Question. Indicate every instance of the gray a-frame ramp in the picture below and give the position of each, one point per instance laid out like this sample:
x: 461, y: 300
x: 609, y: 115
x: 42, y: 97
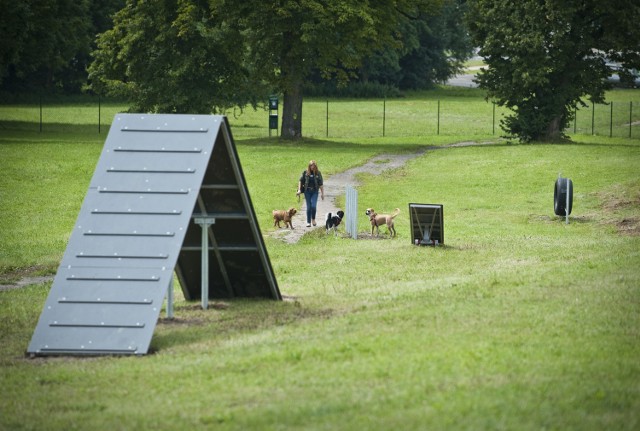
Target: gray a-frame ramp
x: 157, y: 178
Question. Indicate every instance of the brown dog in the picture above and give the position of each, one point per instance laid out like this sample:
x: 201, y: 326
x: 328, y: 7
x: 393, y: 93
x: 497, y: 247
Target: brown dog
x: 380, y: 219
x: 285, y: 216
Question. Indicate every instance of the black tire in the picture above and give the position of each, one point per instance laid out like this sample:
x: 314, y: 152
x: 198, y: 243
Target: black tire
x: 563, y: 185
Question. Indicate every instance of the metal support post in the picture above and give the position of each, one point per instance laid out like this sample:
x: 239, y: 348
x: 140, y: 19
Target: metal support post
x: 204, y: 223
x: 170, y: 299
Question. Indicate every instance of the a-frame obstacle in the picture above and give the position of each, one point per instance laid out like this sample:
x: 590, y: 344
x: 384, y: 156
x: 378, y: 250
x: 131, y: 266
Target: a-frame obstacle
x: 164, y: 186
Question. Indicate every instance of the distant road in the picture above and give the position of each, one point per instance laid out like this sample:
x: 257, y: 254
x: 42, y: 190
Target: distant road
x: 465, y: 80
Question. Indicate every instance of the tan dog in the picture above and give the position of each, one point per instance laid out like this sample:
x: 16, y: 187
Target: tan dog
x: 285, y: 216
x: 380, y: 219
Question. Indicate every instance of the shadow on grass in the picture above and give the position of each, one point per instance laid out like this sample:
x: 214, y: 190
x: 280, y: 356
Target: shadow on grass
x: 30, y: 127
x: 327, y: 144
x: 193, y: 326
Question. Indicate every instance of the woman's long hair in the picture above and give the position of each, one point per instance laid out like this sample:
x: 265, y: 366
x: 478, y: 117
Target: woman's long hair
x: 312, y: 166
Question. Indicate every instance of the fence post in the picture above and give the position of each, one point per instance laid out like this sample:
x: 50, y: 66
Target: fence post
x: 99, y: 106
x: 494, y: 118
x: 575, y: 119
x: 438, y: 129
x: 384, y: 115
x: 611, y: 121
x: 593, y: 117
x: 40, y: 113
x: 327, y: 118
x: 630, y: 116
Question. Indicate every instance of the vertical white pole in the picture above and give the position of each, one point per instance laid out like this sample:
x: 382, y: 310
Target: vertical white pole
x: 351, y: 224
x: 204, y: 223
x: 205, y: 266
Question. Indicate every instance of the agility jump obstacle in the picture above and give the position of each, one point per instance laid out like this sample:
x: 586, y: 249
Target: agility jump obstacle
x: 168, y: 194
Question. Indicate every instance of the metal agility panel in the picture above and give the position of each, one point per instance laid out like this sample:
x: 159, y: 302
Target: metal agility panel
x: 131, y: 231
x: 427, y: 224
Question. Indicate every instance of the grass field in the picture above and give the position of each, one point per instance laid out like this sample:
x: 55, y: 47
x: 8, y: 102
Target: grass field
x: 445, y: 111
x: 518, y: 322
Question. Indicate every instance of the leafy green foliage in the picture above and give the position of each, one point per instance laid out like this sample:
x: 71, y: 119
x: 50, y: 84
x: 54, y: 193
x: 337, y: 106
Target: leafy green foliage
x: 172, y: 56
x: 544, y: 57
x: 46, y: 44
x: 429, y: 47
x: 434, y: 46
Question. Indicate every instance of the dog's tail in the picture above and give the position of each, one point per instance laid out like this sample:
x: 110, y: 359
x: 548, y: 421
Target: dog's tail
x: 395, y: 213
x: 327, y: 217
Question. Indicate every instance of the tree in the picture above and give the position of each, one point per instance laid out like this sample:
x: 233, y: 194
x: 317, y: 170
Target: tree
x: 288, y: 39
x: 172, y: 56
x: 544, y: 57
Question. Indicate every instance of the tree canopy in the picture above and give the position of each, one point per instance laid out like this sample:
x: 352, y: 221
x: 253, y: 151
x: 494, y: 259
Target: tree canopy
x: 172, y: 56
x: 545, y: 57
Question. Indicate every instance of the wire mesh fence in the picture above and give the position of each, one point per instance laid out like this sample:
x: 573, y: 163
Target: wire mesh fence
x: 619, y: 119
x: 334, y: 118
x: 90, y: 115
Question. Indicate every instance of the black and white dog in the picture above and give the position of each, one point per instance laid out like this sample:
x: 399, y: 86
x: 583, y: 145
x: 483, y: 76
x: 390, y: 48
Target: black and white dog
x: 332, y: 221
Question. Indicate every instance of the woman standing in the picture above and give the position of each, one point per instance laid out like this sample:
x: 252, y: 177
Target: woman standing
x: 310, y: 183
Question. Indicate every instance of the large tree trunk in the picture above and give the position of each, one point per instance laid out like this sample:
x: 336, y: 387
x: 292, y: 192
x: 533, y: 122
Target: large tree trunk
x: 292, y: 112
x: 553, y: 132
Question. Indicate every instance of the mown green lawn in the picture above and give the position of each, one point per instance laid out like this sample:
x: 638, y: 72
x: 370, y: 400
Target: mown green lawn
x: 520, y: 321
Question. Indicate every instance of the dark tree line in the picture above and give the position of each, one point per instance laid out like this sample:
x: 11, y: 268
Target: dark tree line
x: 432, y: 47
x: 47, y: 45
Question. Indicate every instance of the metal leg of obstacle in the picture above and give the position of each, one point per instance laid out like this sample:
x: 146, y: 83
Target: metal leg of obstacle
x: 204, y: 223
x: 170, y: 299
